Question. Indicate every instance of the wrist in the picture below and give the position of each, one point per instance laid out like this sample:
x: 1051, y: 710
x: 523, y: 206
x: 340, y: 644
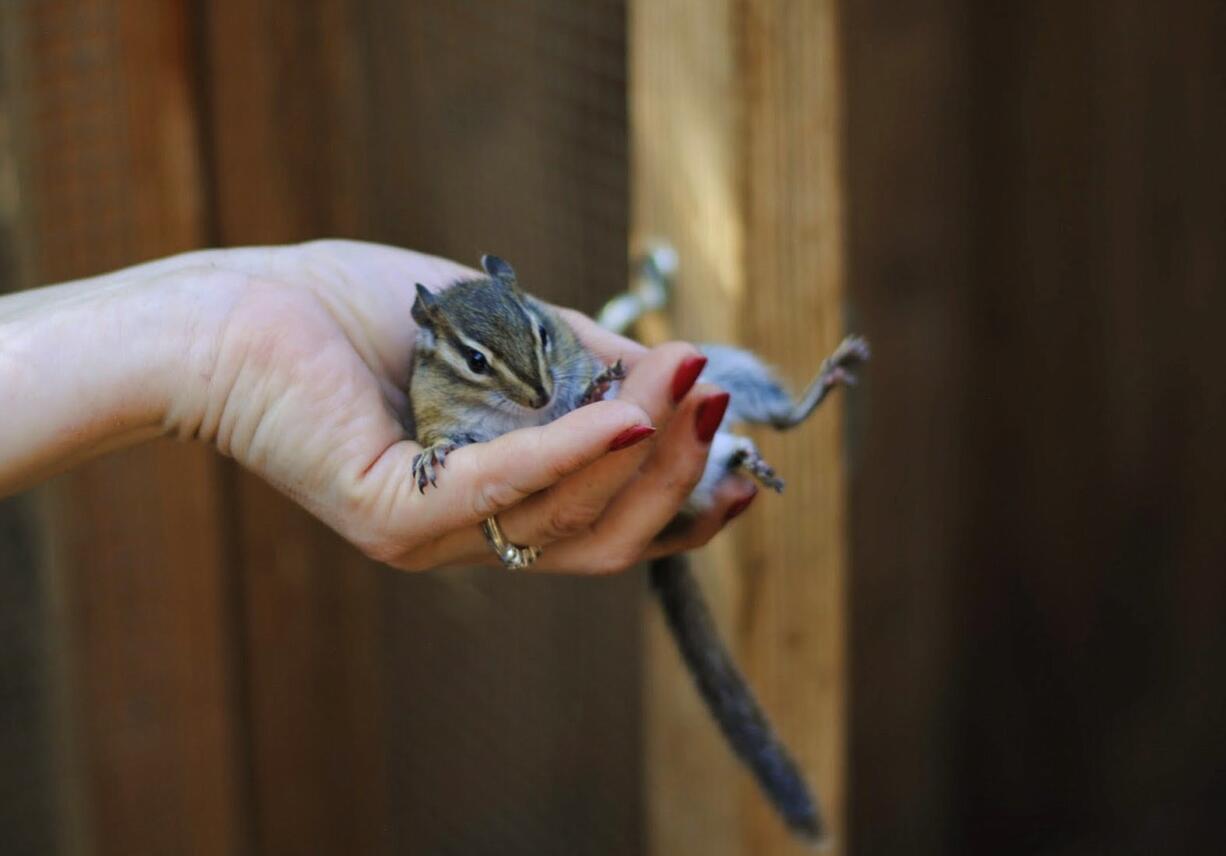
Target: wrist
x: 191, y: 306
x: 92, y: 366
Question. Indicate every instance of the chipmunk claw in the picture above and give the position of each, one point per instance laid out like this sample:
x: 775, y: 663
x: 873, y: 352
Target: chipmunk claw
x: 600, y: 384
x: 764, y: 473
x: 426, y: 460
x: 837, y: 369
x: 748, y: 459
x: 841, y: 377
x: 851, y: 351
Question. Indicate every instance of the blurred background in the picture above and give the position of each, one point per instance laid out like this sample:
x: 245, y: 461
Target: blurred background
x: 991, y: 619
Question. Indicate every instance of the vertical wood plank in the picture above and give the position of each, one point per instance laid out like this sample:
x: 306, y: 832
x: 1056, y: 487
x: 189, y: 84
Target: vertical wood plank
x: 430, y: 712
x: 909, y: 215
x: 515, y: 699
x: 1036, y: 211
x: 27, y: 744
x: 285, y: 103
x: 735, y: 141
x: 791, y: 616
x: 1098, y: 227
x: 686, y: 167
x: 135, y: 571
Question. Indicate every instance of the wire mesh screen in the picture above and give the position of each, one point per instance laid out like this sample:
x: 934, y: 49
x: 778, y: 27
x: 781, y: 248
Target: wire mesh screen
x: 515, y: 701
x: 503, y: 129
x: 515, y: 712
x: 238, y: 680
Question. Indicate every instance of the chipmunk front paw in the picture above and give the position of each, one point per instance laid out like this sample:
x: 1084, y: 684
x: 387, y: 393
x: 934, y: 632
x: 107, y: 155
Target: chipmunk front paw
x: 423, y: 465
x: 600, y: 384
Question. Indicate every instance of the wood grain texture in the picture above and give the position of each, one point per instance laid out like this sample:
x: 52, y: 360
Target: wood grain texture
x: 146, y: 752
x: 736, y: 162
x: 515, y: 699
x: 445, y: 712
x: 27, y: 748
x: 284, y: 105
x: 686, y: 171
x: 1100, y: 229
x: 508, y: 135
x: 1035, y: 221
x: 792, y: 614
x: 909, y: 211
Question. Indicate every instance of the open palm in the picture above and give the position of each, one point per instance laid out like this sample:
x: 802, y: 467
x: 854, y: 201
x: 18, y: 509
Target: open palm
x: 304, y: 378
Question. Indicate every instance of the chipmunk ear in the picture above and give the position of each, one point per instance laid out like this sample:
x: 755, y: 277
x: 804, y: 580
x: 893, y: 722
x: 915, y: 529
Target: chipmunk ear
x: 425, y: 307
x: 499, y: 269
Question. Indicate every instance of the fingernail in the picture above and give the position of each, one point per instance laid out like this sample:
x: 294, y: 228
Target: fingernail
x: 631, y: 436
x: 687, y: 373
x: 740, y: 505
x: 710, y: 414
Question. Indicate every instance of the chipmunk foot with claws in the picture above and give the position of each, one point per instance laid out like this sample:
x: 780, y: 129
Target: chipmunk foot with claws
x: 425, y: 461
x: 603, y: 382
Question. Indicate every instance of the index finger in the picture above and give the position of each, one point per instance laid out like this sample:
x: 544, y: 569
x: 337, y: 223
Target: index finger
x: 607, y: 345
x: 483, y: 479
x: 574, y: 503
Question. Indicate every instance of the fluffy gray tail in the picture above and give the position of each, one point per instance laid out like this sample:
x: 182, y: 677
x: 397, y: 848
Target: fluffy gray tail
x: 730, y: 699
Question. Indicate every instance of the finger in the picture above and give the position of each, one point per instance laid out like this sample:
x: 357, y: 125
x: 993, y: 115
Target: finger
x: 732, y: 498
x: 539, y: 521
x: 486, y: 478
x: 660, y: 380
x: 572, y: 505
x: 605, y: 344
x: 645, y: 508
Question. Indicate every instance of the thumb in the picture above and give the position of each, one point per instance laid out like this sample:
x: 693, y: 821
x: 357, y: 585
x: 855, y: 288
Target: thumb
x: 486, y: 478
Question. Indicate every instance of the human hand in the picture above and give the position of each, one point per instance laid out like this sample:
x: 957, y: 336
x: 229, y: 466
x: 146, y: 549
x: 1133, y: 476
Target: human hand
x: 301, y: 357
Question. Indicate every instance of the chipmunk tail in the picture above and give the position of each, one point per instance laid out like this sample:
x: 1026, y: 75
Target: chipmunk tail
x: 730, y: 699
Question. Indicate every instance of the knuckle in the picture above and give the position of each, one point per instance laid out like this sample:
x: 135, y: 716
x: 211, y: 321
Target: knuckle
x: 380, y: 550
x: 378, y: 543
x: 419, y: 557
x: 690, y: 475
x: 369, y: 532
x: 568, y: 519
x: 700, y: 537
x: 559, y: 463
x: 492, y: 497
x: 412, y: 561
x: 614, y: 561
x: 353, y: 500
x: 680, y: 483
x: 390, y: 546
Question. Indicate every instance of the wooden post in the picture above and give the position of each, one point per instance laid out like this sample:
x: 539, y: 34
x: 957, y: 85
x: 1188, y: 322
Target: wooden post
x: 284, y: 125
x: 455, y: 129
x: 146, y: 756
x: 735, y: 161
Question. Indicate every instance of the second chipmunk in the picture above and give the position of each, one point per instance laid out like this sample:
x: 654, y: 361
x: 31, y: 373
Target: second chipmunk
x: 490, y: 359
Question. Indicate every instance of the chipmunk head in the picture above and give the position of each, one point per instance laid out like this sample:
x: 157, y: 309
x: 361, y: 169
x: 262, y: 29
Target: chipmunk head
x: 489, y: 333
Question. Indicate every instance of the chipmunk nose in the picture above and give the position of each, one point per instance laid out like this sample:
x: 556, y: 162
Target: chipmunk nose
x: 541, y: 398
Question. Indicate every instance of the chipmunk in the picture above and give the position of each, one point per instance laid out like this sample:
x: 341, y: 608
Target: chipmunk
x: 490, y: 359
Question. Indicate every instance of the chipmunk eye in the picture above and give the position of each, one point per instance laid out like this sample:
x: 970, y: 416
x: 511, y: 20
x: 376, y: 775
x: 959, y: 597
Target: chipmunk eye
x: 544, y: 336
x: 476, y: 361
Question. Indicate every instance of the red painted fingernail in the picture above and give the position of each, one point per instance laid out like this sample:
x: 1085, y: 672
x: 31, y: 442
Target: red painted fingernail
x: 631, y: 436
x: 710, y: 414
x: 687, y: 373
x: 740, y: 505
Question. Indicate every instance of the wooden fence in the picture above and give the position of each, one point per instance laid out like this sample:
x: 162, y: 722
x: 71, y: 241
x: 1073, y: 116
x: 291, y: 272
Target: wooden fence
x: 227, y: 675
x: 1007, y: 640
